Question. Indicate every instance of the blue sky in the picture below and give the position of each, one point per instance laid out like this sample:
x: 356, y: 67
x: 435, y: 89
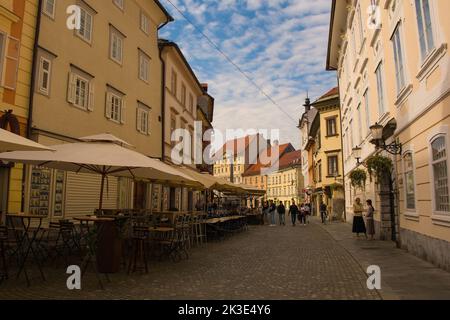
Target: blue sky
x: 281, y: 44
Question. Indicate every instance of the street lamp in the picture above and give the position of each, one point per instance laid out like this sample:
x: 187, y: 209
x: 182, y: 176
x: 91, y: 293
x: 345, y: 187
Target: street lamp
x: 379, y: 142
x: 357, y: 154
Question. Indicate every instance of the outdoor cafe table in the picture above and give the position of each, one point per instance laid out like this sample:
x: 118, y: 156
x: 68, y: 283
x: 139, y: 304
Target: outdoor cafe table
x: 102, y: 245
x: 25, y: 242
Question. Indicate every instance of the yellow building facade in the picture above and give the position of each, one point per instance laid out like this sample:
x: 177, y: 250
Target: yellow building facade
x: 104, y: 77
x: 392, y: 63
x: 17, y: 37
x: 324, y: 146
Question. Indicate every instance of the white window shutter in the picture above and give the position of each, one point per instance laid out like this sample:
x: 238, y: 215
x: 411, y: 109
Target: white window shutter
x: 91, y: 97
x: 138, y: 120
x: 123, y: 111
x: 108, y: 105
x: 71, y: 88
x: 148, y: 123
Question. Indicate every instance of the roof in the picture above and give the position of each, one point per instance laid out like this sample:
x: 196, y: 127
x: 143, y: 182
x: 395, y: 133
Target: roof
x: 163, y: 43
x: 163, y: 9
x: 255, y: 169
x: 240, y: 145
x: 333, y: 93
x: 290, y: 159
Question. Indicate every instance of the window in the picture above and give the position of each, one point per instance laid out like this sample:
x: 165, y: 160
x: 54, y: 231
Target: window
x: 142, y: 119
x: 399, y: 59
x: 425, y: 27
x: 145, y: 23
x: 320, y: 172
x: 10, y: 50
x: 119, y: 3
x: 440, y: 174
x: 367, y: 106
x: 174, y: 83
x: 81, y: 91
x: 350, y: 136
x: 191, y: 103
x: 333, y: 166
x: 173, y: 127
x: 360, y: 25
x: 408, y: 166
x: 380, y: 87
x: 358, y: 111
x: 2, y: 52
x: 86, y: 19
x: 49, y: 8
x: 115, y: 106
x: 183, y: 95
x: 144, y: 67
x: 116, y: 46
x: 44, y: 76
x: 331, y: 127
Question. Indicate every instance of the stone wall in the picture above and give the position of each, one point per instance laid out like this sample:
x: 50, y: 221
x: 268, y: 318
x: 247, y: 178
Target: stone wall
x: 430, y: 249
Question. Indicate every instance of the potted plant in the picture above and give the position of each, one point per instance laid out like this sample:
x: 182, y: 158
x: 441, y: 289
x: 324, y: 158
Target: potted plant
x: 358, y: 178
x: 379, y: 167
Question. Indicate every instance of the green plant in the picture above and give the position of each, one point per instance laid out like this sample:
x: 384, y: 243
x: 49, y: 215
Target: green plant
x: 379, y: 166
x: 358, y: 178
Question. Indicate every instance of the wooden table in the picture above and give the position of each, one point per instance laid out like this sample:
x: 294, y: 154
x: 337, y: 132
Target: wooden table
x: 161, y: 229
x: 25, y: 243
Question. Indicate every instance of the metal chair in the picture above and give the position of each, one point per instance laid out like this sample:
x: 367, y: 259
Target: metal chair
x: 3, y: 265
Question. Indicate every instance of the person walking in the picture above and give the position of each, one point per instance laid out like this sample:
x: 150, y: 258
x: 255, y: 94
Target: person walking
x: 323, y: 212
x: 302, y: 215
x: 265, y: 212
x: 370, y: 219
x: 293, y: 212
x: 282, y: 214
x: 272, y: 211
x: 358, y: 221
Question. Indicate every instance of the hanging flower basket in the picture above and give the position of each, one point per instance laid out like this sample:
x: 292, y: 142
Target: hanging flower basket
x: 358, y: 178
x: 379, y: 167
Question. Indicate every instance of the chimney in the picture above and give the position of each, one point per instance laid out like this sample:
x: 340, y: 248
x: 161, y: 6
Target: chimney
x: 205, y: 87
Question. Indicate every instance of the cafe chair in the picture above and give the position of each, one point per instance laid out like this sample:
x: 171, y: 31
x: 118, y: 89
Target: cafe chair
x: 3, y: 265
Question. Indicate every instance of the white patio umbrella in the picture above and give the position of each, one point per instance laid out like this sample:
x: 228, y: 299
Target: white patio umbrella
x: 13, y: 142
x: 103, y: 156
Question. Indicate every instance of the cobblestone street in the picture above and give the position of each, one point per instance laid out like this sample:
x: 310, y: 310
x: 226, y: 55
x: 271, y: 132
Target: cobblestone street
x: 263, y: 263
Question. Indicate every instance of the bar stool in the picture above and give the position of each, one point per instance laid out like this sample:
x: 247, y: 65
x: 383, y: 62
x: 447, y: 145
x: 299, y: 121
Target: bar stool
x: 139, y: 250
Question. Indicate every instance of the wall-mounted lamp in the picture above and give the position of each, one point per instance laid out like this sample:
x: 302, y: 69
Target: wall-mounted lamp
x: 379, y: 142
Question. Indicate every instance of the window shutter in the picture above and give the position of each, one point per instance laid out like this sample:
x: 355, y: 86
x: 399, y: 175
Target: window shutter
x: 148, y: 123
x: 108, y: 105
x: 122, y: 111
x: 71, y: 88
x: 91, y: 97
x: 11, y: 63
x: 138, y: 120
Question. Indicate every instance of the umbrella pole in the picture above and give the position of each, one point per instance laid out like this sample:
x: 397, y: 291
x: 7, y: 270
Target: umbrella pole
x: 100, y: 205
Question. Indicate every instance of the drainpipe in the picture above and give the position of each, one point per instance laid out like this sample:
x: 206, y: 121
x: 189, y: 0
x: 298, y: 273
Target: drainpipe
x: 31, y: 93
x: 34, y: 69
x: 163, y: 104
x: 342, y: 155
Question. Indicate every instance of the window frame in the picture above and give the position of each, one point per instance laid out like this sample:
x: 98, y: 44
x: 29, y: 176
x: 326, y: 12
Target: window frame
x: 425, y: 55
x: 91, y: 29
x: 119, y: 4
x: 41, y: 90
x: 145, y: 27
x: 334, y: 120
x: 116, y: 34
x: 87, y: 81
x: 143, y: 57
x: 437, y: 135
x: 143, y: 110
x: 335, y: 156
x: 49, y: 14
x: 413, y: 172
x: 381, y: 92
x: 399, y: 59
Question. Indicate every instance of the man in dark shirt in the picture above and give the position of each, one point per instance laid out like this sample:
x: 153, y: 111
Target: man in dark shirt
x: 293, y: 212
x: 323, y: 212
x: 282, y: 213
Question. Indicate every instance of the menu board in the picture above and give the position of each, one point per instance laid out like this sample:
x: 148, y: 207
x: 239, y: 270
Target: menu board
x: 156, y: 196
x: 40, y: 191
x: 59, y: 193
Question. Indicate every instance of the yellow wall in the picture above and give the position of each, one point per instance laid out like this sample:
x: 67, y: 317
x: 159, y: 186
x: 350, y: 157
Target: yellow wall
x: 18, y: 20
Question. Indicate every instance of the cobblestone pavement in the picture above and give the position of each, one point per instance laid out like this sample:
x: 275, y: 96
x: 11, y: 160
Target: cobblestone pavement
x: 279, y: 263
x: 403, y: 275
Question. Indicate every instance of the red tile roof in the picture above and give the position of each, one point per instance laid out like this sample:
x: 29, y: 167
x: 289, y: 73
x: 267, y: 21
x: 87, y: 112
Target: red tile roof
x: 238, y: 146
x: 255, y: 169
x: 332, y: 92
x: 290, y: 159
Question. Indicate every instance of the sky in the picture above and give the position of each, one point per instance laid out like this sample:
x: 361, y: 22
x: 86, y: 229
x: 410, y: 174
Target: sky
x: 279, y: 44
